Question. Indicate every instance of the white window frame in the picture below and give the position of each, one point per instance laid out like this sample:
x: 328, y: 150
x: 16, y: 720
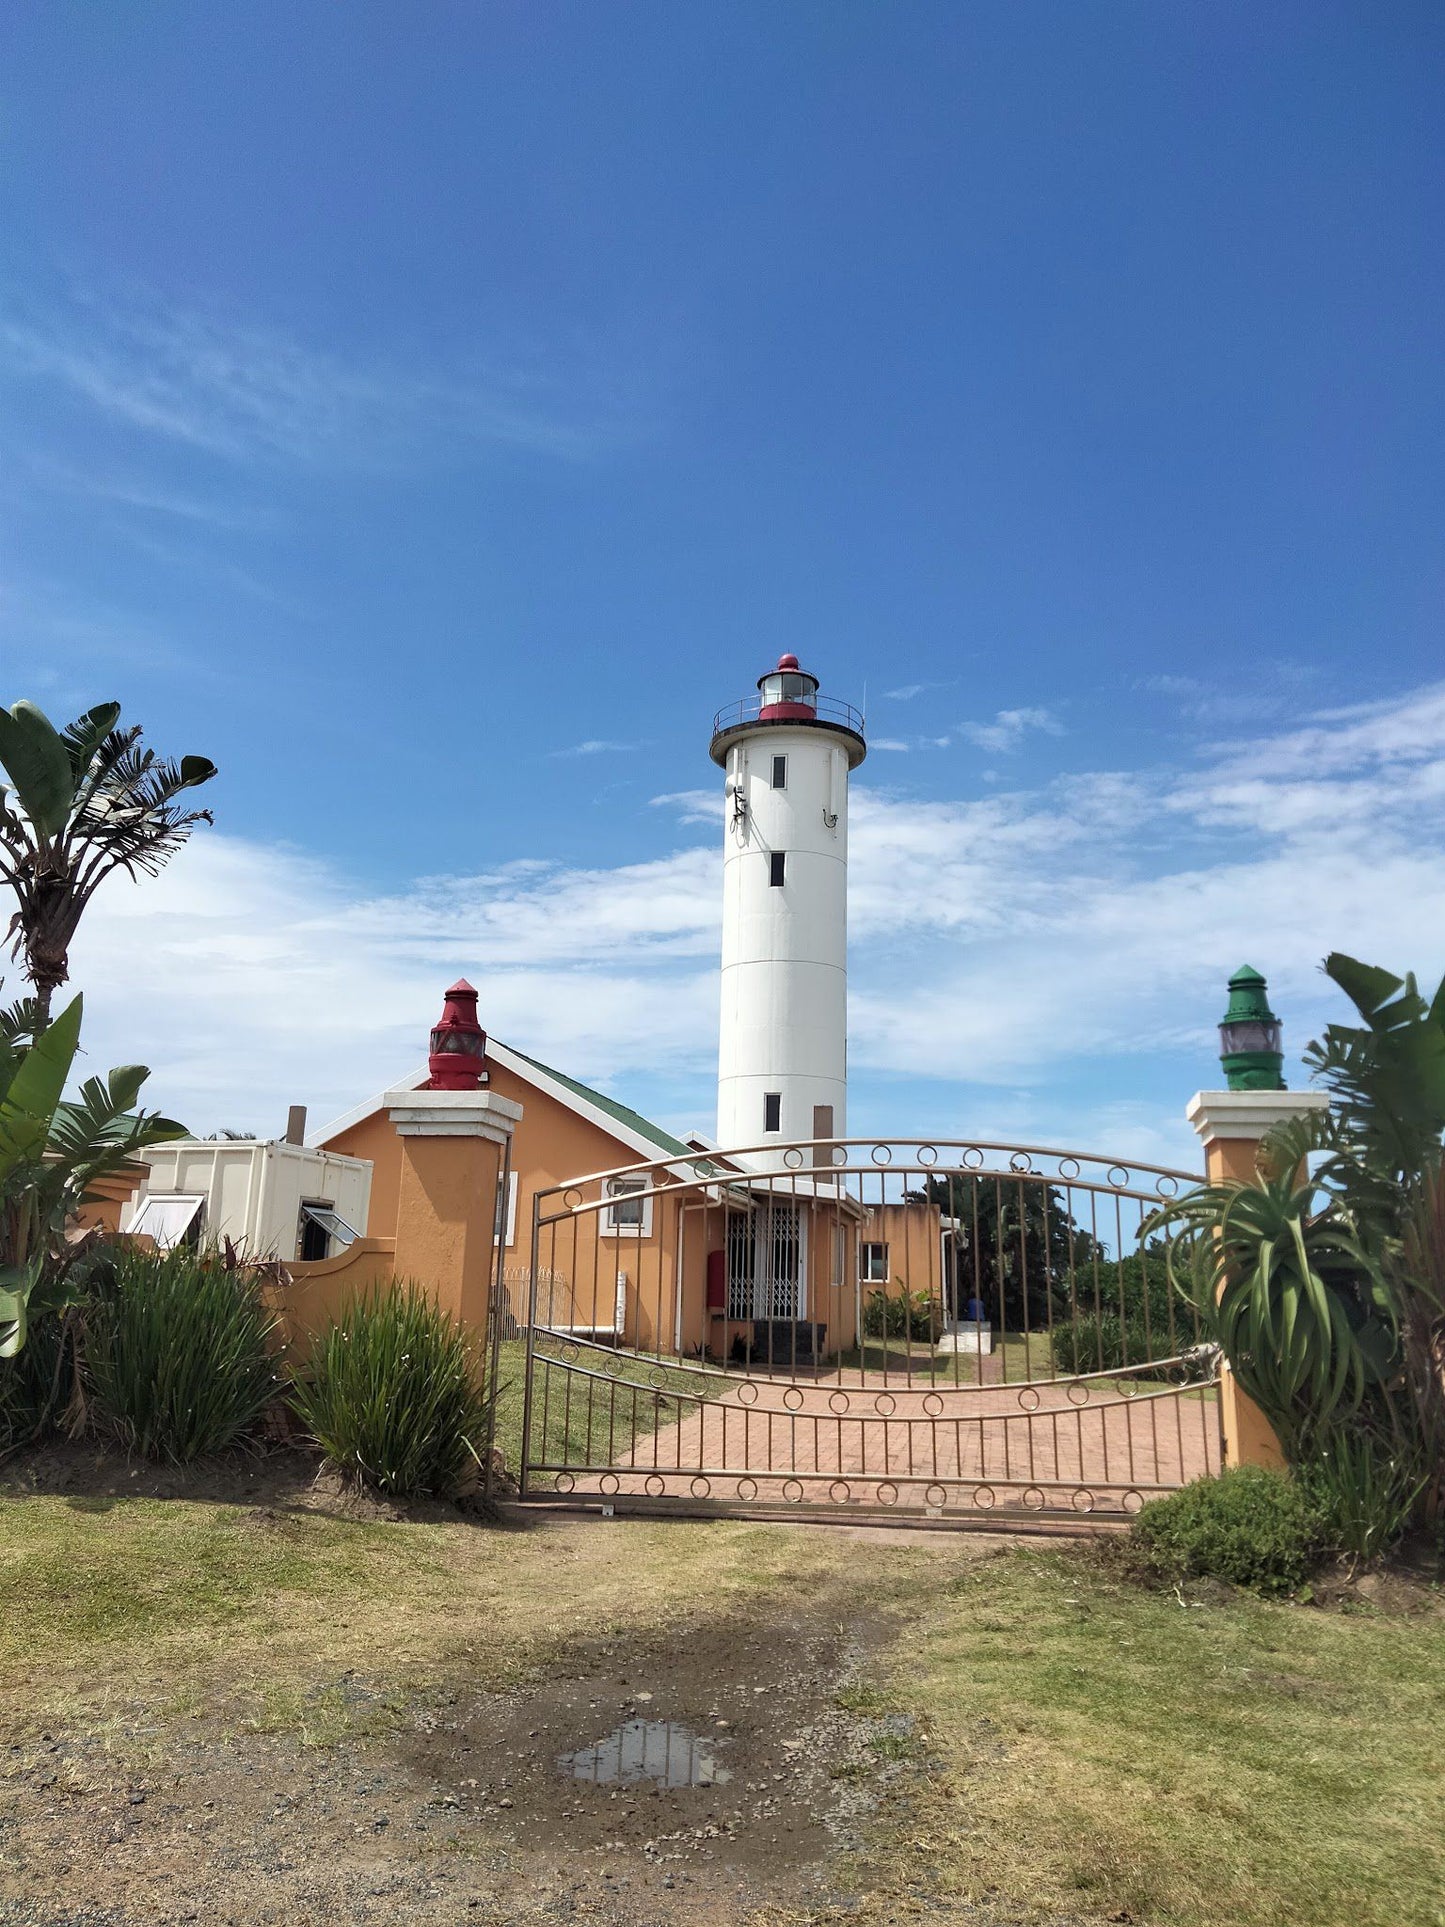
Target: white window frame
x: 511, y: 1235
x: 197, y: 1200
x: 620, y: 1188
x: 866, y: 1275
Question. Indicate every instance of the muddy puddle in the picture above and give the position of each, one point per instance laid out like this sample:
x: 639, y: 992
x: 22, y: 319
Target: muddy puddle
x: 658, y: 1750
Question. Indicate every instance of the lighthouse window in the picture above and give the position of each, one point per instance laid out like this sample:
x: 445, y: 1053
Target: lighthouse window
x: 780, y: 772
x: 777, y: 863
x: 772, y: 1110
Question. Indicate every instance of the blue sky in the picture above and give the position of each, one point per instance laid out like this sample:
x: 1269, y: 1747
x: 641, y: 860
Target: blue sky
x: 435, y: 414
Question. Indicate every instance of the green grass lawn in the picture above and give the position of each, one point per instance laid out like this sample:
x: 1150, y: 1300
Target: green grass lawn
x: 599, y: 1422
x: 1071, y: 1747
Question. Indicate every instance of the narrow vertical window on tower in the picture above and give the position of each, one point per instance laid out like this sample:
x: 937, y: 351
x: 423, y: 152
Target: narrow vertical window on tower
x: 780, y: 772
x: 777, y: 864
x: 772, y: 1110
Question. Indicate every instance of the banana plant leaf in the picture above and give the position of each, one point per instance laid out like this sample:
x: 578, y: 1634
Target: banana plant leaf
x: 27, y: 1109
x: 34, y: 753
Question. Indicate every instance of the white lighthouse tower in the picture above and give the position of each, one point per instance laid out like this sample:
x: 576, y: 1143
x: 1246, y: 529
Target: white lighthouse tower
x: 783, y: 1049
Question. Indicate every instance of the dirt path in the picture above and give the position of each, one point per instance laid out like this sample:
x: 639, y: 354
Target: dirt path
x: 453, y: 1803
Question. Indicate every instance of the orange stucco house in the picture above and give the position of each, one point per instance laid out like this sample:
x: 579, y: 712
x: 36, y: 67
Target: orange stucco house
x: 645, y: 1239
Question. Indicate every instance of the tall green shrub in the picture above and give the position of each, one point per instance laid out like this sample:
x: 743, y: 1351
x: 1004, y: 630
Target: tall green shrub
x: 392, y: 1395
x: 177, y: 1352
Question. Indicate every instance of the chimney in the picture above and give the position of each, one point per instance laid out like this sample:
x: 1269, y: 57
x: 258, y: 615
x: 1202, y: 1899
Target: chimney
x: 296, y: 1124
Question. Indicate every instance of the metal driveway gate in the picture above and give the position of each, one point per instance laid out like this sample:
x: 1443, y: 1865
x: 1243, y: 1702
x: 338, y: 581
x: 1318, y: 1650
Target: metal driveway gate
x: 878, y: 1328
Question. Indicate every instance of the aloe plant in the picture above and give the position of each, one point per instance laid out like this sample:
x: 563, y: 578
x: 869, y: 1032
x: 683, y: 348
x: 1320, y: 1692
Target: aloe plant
x: 1296, y: 1300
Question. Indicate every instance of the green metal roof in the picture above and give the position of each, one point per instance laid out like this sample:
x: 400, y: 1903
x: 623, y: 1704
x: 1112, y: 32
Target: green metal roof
x: 632, y: 1119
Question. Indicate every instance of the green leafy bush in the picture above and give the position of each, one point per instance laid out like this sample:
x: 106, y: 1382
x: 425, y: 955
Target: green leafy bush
x: 176, y: 1351
x: 1366, y: 1488
x: 1250, y: 1526
x: 392, y: 1395
x: 902, y: 1314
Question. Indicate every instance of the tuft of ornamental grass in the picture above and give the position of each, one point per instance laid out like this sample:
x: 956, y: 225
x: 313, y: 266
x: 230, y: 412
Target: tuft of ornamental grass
x: 177, y: 1352
x: 392, y: 1394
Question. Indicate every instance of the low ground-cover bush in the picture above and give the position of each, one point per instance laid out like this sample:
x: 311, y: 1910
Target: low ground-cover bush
x: 392, y: 1395
x: 176, y: 1351
x: 1252, y: 1527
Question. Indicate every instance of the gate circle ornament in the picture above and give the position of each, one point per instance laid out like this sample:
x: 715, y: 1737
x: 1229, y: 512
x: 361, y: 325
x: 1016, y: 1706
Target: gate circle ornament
x: 840, y: 1492
x: 1069, y: 1174
x: 572, y: 1197
x: 971, y: 1158
x: 1082, y: 1391
x: 933, y: 1404
x: 747, y: 1489
x: 885, y: 1405
x: 888, y: 1493
x: 565, y: 1482
x: 881, y: 1154
x: 927, y: 1155
x: 793, y: 1158
x: 1033, y: 1498
x: 701, y: 1487
x: 608, y: 1484
x: 1083, y: 1499
x: 655, y: 1486
x: 571, y: 1352
x: 793, y: 1399
x: 985, y: 1504
x: 1132, y: 1501
x: 747, y: 1394
x: 657, y: 1378
x: 936, y: 1495
x: 1121, y: 1179
x: 1021, y: 1162
x: 792, y: 1490
x: 1028, y: 1398
x: 1166, y: 1186
x: 839, y: 1402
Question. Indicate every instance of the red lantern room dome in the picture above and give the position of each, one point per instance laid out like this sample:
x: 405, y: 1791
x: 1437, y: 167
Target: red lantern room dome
x: 458, y: 1060
x: 789, y: 693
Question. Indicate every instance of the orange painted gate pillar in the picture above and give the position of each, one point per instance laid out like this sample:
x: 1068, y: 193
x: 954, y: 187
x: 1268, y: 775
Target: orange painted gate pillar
x: 453, y: 1155
x: 1231, y: 1126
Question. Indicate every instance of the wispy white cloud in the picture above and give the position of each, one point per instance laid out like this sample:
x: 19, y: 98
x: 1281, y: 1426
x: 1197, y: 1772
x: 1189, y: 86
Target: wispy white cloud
x: 1005, y: 948
x: 1009, y: 727
x: 236, y: 389
x: 890, y: 743
x: 906, y: 693
x: 594, y: 746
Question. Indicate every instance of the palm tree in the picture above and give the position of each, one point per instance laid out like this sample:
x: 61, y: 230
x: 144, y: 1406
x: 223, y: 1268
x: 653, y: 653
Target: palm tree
x: 85, y: 801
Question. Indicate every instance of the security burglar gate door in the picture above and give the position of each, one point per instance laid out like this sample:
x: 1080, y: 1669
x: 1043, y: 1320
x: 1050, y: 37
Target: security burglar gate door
x: 945, y: 1330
